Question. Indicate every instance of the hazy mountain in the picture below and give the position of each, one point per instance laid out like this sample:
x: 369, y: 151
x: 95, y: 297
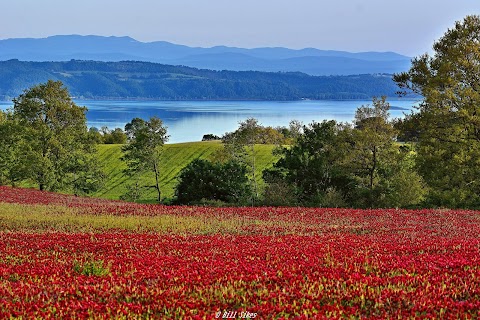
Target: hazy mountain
x: 311, y: 61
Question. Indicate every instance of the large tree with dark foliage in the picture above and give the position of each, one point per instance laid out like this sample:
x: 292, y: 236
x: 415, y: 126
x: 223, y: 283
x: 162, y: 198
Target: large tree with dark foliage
x: 57, y: 147
x: 449, y: 116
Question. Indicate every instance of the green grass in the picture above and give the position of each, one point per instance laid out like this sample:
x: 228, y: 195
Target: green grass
x: 174, y: 158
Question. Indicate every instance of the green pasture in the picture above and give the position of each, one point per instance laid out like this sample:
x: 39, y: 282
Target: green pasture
x: 173, y: 159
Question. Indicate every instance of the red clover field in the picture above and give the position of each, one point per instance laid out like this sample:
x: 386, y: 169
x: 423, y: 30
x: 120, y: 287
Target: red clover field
x: 70, y: 257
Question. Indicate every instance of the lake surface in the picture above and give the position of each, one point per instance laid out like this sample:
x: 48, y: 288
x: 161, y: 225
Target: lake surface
x: 190, y: 120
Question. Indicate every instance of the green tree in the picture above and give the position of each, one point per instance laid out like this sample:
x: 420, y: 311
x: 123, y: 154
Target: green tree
x: 449, y: 116
x: 310, y: 165
x: 143, y: 149
x: 374, y: 160
x: 373, y: 141
x: 403, y: 186
x: 95, y: 135
x: 60, y: 153
x: 13, y: 161
x: 116, y: 136
x: 240, y: 145
x: 204, y: 180
x: 408, y: 128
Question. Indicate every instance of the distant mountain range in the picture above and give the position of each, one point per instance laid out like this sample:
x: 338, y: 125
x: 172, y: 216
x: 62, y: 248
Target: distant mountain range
x: 310, y: 61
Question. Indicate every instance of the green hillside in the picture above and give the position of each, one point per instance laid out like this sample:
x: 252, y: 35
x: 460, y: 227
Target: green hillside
x: 174, y: 158
x: 144, y: 80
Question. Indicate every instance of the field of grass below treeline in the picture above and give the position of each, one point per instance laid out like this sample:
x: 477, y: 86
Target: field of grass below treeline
x: 174, y: 158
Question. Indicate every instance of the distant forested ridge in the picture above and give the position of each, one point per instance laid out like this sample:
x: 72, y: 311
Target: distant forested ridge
x: 145, y: 80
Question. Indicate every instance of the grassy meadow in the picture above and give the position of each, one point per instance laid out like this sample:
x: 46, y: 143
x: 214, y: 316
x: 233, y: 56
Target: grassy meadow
x: 174, y: 158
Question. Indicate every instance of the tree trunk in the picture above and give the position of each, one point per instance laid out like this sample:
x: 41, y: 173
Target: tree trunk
x: 374, y: 167
x: 254, y: 180
x: 157, y: 185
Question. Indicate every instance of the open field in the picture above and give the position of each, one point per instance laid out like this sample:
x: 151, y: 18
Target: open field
x: 64, y: 256
x: 175, y: 157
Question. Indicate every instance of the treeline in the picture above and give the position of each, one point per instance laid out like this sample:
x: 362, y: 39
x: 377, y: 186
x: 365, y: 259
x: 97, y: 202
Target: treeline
x: 327, y: 164
x: 144, y: 80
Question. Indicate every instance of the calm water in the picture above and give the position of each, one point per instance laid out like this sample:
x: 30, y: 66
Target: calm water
x: 190, y: 120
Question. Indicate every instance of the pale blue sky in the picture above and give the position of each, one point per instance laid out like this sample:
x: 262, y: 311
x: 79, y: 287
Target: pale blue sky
x: 408, y: 27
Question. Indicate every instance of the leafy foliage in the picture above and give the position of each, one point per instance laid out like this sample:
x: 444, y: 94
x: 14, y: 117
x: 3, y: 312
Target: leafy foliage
x: 449, y: 117
x: 46, y: 141
x: 142, y: 152
x: 310, y: 165
x: 115, y: 136
x: 339, y: 165
x: 371, y: 151
x: 205, y: 180
x: 13, y: 150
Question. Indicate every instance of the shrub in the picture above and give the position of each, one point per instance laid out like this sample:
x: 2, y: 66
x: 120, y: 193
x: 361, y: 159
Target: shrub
x: 203, y: 180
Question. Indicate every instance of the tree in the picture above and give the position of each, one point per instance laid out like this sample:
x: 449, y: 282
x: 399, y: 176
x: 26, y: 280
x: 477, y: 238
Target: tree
x: 95, y: 135
x: 56, y: 143
x: 144, y: 146
x: 407, y: 128
x: 204, y: 180
x: 373, y: 140
x: 240, y: 144
x: 402, y: 185
x: 375, y: 162
x: 13, y: 150
x: 210, y: 137
x: 310, y: 165
x: 117, y: 136
x: 449, y: 115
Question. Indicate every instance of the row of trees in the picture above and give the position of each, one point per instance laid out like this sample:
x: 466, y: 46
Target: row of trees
x: 107, y: 136
x: 328, y: 164
x: 44, y: 141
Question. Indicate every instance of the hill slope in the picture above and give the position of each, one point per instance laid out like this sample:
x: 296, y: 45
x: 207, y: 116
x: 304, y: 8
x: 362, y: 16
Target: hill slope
x: 311, y: 61
x: 175, y: 157
x: 144, y: 80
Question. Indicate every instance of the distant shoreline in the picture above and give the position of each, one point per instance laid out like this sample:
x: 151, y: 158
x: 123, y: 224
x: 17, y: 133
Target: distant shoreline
x: 232, y: 100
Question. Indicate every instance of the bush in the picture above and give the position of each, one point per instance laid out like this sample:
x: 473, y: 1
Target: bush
x: 203, y: 180
x: 279, y: 194
x: 333, y: 199
x: 210, y: 137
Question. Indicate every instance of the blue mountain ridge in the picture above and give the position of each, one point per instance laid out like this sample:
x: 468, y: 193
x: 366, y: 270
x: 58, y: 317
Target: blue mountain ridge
x: 273, y: 59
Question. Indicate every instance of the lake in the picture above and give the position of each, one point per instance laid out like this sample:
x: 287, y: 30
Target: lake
x: 190, y: 120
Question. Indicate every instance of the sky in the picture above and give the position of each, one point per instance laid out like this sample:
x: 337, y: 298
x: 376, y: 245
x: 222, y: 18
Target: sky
x: 408, y: 27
